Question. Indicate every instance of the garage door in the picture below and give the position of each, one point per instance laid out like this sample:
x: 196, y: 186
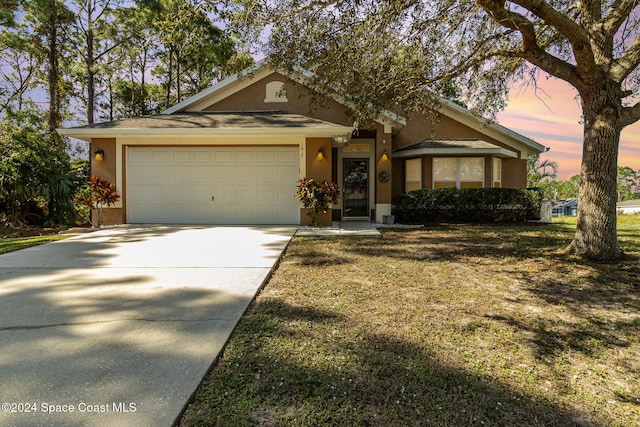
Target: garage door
x: 212, y: 185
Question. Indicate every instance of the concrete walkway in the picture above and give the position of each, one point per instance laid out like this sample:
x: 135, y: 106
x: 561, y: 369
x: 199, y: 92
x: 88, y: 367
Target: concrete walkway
x: 118, y: 327
x: 341, y: 228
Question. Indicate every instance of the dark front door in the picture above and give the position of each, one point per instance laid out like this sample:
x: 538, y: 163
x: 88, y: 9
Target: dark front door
x: 355, y: 188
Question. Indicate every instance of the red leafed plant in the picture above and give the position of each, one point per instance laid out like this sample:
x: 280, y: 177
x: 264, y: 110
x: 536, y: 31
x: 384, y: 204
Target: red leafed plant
x: 102, y: 192
x: 317, y: 196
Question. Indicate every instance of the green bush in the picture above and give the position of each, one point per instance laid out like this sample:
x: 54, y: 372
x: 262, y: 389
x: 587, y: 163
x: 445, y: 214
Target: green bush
x: 467, y: 205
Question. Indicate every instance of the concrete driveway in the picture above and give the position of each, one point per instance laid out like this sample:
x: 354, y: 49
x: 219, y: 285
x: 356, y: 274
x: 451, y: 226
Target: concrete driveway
x: 119, y: 326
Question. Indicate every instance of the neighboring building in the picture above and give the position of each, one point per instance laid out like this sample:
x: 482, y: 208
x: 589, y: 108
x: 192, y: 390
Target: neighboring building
x: 564, y: 207
x: 233, y: 153
x: 628, y: 207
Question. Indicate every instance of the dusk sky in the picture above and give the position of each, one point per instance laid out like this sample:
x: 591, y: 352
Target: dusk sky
x: 552, y: 118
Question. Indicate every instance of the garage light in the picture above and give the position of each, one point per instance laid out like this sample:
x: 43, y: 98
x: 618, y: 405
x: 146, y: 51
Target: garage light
x: 99, y: 154
x: 320, y: 155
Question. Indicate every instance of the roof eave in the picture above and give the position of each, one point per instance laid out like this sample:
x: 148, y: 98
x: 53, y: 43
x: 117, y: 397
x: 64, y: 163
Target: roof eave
x: 320, y: 131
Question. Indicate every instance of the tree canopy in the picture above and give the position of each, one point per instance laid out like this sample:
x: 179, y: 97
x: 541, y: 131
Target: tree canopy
x: 377, y: 52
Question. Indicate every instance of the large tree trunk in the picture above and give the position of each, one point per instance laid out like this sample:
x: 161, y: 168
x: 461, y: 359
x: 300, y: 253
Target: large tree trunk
x: 596, y: 234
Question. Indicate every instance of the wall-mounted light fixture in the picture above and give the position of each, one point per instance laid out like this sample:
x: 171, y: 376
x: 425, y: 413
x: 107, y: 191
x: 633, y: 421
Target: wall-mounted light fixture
x: 320, y: 155
x: 99, y: 154
x: 385, y: 156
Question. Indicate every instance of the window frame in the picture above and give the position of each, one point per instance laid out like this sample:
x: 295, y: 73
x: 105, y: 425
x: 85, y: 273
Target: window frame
x: 418, y: 162
x: 458, y: 181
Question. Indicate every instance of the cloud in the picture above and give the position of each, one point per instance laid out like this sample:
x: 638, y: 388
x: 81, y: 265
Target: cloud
x: 550, y: 114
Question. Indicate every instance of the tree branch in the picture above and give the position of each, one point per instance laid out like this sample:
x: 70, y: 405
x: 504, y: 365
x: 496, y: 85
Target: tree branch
x: 630, y: 115
x: 591, y: 10
x: 530, y: 50
x: 577, y: 36
x: 628, y: 62
x: 617, y: 14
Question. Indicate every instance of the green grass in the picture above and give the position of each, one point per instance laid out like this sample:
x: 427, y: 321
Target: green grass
x: 10, y: 244
x: 446, y: 326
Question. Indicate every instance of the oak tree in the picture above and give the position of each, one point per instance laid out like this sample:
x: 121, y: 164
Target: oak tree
x: 374, y: 52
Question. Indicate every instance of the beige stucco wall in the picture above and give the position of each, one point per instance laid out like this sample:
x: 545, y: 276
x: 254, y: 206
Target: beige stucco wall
x: 107, y: 169
x: 319, y: 170
x: 300, y: 100
x: 419, y: 128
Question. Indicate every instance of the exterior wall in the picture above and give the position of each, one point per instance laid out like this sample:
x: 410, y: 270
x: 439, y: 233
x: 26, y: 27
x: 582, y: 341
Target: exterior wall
x: 300, y: 100
x: 383, y: 193
x: 514, y: 173
x: 106, y: 169
x: 419, y: 128
x: 319, y: 170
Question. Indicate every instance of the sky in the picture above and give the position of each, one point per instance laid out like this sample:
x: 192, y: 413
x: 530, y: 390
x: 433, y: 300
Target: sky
x: 551, y: 116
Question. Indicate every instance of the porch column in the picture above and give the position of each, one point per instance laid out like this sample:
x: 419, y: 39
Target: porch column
x: 383, y: 174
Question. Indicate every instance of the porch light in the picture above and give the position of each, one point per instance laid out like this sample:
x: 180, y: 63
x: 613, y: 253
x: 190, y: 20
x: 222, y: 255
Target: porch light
x: 99, y: 154
x: 385, y: 156
x: 320, y: 155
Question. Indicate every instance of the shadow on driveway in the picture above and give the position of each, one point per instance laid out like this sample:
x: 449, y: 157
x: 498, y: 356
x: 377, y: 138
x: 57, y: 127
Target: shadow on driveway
x: 118, y: 327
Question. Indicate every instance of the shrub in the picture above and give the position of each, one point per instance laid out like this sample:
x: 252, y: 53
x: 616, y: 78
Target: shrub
x: 317, y: 196
x: 467, y: 205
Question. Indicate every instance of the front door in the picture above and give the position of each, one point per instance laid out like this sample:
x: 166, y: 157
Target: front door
x: 355, y: 188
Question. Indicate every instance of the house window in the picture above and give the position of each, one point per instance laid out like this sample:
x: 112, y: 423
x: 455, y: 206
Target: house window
x: 463, y: 172
x: 413, y: 174
x: 275, y: 92
x: 497, y: 173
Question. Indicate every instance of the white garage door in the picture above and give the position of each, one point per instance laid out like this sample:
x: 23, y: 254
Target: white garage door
x: 212, y: 185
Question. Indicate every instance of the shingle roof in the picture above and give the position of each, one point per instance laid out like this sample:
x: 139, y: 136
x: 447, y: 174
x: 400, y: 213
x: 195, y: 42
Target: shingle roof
x: 210, y: 124
x: 444, y: 143
x: 231, y: 119
x: 451, y: 146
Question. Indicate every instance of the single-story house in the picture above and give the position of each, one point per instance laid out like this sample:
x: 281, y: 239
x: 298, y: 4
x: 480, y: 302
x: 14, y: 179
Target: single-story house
x: 564, y: 207
x: 233, y: 153
x: 629, y: 207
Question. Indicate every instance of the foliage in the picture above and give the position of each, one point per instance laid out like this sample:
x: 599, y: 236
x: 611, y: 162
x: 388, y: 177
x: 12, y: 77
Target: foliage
x: 467, y: 205
x: 317, y: 196
x: 113, y: 58
x: 538, y: 171
x: 7, y: 9
x: 101, y: 192
x: 558, y: 189
x: 194, y: 49
x: 628, y: 183
x: 35, y: 181
x: 377, y: 54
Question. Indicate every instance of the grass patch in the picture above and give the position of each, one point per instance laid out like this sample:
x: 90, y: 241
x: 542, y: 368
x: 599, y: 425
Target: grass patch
x: 10, y: 244
x: 447, y: 326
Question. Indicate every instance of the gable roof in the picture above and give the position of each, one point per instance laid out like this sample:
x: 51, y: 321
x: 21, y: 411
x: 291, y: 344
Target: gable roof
x: 261, y: 69
x: 210, y: 123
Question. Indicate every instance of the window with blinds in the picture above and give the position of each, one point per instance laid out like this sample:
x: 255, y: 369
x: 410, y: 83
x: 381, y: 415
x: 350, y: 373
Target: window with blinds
x: 413, y: 174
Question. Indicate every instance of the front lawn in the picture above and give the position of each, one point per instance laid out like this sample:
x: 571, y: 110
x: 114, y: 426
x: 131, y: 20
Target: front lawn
x: 10, y: 244
x: 446, y: 326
